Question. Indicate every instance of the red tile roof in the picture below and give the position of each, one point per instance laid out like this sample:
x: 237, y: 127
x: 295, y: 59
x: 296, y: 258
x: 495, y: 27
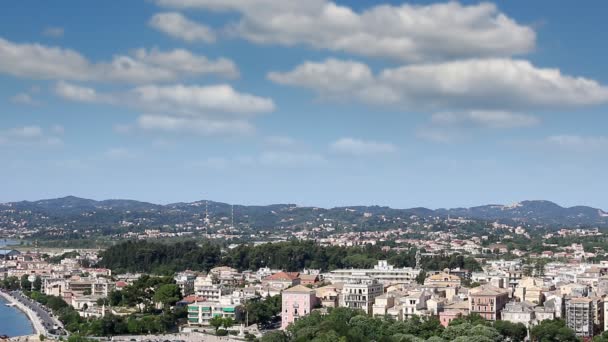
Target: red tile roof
x: 283, y: 276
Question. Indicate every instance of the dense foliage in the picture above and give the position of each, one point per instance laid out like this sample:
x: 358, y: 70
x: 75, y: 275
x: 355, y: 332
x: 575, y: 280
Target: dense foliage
x: 552, y: 330
x: 166, y: 258
x: 263, y: 311
x: 160, y: 258
x: 342, y: 324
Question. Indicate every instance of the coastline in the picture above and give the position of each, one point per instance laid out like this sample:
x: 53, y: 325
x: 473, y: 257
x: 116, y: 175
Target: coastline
x: 37, y: 326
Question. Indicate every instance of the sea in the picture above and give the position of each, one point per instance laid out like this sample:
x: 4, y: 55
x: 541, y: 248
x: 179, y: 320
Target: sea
x: 13, y: 322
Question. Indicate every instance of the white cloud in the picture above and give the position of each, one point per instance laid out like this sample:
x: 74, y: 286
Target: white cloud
x: 29, y: 136
x: 578, y: 142
x: 358, y: 147
x: 193, y: 100
x: 26, y: 132
x: 23, y: 98
x: 406, y: 32
x: 53, y: 32
x: 178, y: 26
x: 184, y: 62
x: 332, y: 76
x: 484, y: 85
x: 178, y: 99
x: 493, y: 119
x: 79, y: 93
x: 38, y: 61
x: 206, y: 110
x: 202, y: 126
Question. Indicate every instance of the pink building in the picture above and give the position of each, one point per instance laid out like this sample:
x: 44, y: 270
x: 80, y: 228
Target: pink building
x: 453, y: 311
x: 298, y: 301
x: 488, y: 301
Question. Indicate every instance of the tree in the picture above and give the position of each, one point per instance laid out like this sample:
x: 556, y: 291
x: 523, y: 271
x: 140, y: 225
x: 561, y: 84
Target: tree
x: 37, y: 285
x: 167, y: 294
x: 26, y: 285
x: 421, y: 277
x: 515, y: 332
x: 275, y: 336
x: 216, y: 322
x: 552, y: 330
x: 228, y: 323
x: 601, y: 338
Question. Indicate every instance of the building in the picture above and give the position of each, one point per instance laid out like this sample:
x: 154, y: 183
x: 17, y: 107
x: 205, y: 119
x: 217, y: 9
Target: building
x: 281, y: 280
x: 383, y: 272
x: 579, y: 316
x: 329, y: 295
x: 415, y: 304
x: 361, y: 294
x: 531, y: 290
x: 309, y: 279
x: 442, y: 279
x: 453, y: 311
x: 185, y: 281
x: 382, y: 304
x: 488, y: 301
x: 297, y: 301
x: 8, y: 254
x: 519, y: 312
x: 200, y: 313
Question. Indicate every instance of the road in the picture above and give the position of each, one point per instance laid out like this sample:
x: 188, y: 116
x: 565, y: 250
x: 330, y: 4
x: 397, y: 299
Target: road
x: 45, y: 317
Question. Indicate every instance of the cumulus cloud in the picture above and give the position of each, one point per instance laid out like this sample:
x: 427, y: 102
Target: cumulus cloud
x: 79, y: 93
x: 358, y: 147
x: 206, y: 110
x: 406, y: 32
x: 475, y: 84
x: 29, y: 136
x: 332, y: 76
x: 191, y: 99
x: 493, y: 119
x: 178, y: 26
x: 37, y: 61
x: 187, y: 100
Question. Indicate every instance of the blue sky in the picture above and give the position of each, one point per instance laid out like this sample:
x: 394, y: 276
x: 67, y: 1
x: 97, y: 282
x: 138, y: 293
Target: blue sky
x: 436, y: 104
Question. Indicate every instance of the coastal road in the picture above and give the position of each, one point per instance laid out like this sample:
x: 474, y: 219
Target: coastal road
x: 44, y: 316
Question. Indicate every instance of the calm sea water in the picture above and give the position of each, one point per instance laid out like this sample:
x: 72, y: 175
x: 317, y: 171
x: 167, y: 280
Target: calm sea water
x: 13, y: 322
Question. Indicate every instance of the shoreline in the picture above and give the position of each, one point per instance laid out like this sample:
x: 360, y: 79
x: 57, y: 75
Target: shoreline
x: 37, y: 327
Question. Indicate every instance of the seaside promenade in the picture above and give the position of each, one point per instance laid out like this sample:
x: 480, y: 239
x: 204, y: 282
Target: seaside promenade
x: 40, y: 319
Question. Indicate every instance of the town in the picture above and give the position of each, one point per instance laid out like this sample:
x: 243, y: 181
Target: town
x: 449, y: 280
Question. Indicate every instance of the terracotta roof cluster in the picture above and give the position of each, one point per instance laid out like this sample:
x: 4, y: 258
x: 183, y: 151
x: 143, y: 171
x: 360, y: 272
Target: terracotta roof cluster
x: 283, y: 276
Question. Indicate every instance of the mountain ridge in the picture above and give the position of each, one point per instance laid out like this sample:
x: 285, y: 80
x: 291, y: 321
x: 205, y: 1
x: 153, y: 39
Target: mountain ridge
x: 533, y: 212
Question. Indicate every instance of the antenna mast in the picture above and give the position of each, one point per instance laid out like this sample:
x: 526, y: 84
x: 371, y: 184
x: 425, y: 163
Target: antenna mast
x: 232, y: 215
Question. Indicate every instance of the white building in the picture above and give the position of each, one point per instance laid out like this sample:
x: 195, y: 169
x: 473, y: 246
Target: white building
x: 361, y: 295
x: 383, y: 272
